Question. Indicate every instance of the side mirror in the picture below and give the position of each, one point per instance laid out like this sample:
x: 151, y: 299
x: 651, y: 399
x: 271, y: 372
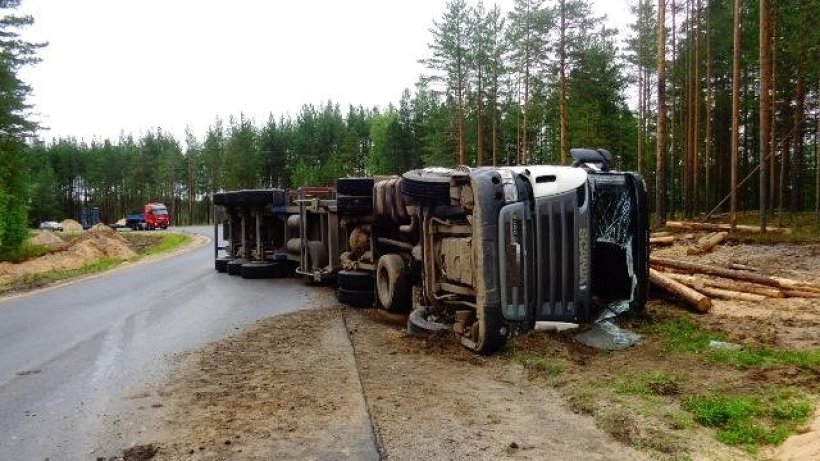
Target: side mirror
x: 600, y: 158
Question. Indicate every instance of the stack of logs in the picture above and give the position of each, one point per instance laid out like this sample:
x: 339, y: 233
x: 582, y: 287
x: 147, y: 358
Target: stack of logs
x: 687, y: 280
x: 697, y: 283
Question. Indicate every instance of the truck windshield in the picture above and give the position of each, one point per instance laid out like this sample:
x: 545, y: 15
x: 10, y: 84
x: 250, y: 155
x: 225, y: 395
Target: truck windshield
x: 160, y: 211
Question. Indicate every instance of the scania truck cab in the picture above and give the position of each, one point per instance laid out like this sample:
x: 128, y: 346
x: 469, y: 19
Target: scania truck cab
x: 487, y: 252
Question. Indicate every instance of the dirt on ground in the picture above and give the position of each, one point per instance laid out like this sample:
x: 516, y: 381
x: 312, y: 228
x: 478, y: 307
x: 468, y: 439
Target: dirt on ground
x: 68, y: 252
x: 791, y: 323
x: 341, y: 383
x: 308, y: 385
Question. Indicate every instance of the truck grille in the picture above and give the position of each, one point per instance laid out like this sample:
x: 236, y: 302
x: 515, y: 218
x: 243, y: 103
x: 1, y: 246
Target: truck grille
x: 557, y: 253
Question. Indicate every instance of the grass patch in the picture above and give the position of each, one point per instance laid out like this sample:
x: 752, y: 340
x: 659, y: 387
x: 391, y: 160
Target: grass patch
x: 646, y: 384
x: 540, y: 365
x: 684, y: 335
x: 752, y: 358
x: 805, y: 228
x: 752, y: 420
x: 151, y: 244
x: 44, y: 278
x: 24, y: 253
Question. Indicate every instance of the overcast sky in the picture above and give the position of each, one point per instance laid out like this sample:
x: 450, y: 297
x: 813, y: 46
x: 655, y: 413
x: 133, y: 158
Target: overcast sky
x: 116, y: 65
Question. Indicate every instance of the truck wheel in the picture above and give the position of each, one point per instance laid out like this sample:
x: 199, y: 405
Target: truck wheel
x: 258, y: 270
x: 317, y: 255
x: 235, y: 266
x: 392, y: 284
x: 355, y: 280
x: 352, y: 205
x: 417, y: 324
x: 427, y: 184
x: 220, y: 199
x: 489, y: 338
x: 355, y: 186
x: 221, y: 264
x: 354, y: 298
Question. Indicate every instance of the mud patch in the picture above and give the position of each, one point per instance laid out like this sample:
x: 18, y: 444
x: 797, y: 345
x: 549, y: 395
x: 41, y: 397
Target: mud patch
x: 139, y: 453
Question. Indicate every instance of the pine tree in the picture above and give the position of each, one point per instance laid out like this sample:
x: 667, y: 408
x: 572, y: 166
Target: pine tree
x: 15, y: 124
x: 450, y: 62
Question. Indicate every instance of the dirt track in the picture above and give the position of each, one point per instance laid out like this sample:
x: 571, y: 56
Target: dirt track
x: 289, y: 388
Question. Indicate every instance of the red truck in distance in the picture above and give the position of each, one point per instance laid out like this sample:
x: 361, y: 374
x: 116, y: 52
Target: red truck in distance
x: 153, y: 216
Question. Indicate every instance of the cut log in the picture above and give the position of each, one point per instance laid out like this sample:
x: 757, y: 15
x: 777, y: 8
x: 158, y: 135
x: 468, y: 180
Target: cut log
x: 743, y: 267
x: 729, y: 294
x: 797, y: 285
x: 662, y: 240
x: 801, y: 294
x: 731, y: 285
x: 688, y: 225
x: 659, y: 234
x: 691, y: 267
x: 706, y: 244
x: 697, y: 300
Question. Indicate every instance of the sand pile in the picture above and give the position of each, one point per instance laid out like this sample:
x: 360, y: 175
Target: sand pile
x: 104, y: 228
x: 70, y: 225
x: 46, y: 238
x: 90, y: 247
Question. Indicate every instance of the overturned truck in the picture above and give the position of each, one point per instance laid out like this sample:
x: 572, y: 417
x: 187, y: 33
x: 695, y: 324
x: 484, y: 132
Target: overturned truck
x: 485, y: 252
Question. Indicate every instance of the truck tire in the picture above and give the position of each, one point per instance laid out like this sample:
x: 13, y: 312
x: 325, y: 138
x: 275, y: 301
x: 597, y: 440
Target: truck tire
x: 235, y: 266
x: 221, y: 264
x: 354, y: 205
x: 355, y: 186
x: 220, y: 198
x: 354, y: 298
x: 392, y: 284
x: 259, y: 270
x: 427, y: 184
x: 417, y: 324
x: 355, y: 280
x: 262, y: 197
x: 317, y: 255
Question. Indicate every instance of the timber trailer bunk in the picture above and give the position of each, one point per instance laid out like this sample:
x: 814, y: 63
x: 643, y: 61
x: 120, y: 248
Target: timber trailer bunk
x: 487, y: 252
x: 255, y: 227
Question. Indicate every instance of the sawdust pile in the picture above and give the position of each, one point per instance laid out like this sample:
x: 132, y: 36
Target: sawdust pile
x: 46, y: 238
x: 70, y: 225
x: 100, y: 242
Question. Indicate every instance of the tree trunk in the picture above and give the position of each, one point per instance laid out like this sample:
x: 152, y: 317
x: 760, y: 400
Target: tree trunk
x: 480, y: 120
x: 708, y: 141
x: 660, y: 176
x: 773, y: 125
x: 799, y: 163
x: 765, y: 108
x: 562, y: 71
x: 735, y: 111
x: 640, y: 116
x: 696, y: 108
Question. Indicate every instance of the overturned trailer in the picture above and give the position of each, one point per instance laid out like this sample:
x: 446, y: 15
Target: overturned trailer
x: 485, y: 252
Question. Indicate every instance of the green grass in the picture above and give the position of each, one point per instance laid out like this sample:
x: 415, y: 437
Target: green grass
x: 26, y: 252
x: 751, y: 358
x: 804, y: 227
x: 684, y: 335
x: 540, y: 365
x: 752, y: 420
x: 44, y: 278
x: 167, y: 242
x: 648, y: 384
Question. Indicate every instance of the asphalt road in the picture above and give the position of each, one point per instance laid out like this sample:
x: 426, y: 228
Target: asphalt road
x: 67, y: 355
